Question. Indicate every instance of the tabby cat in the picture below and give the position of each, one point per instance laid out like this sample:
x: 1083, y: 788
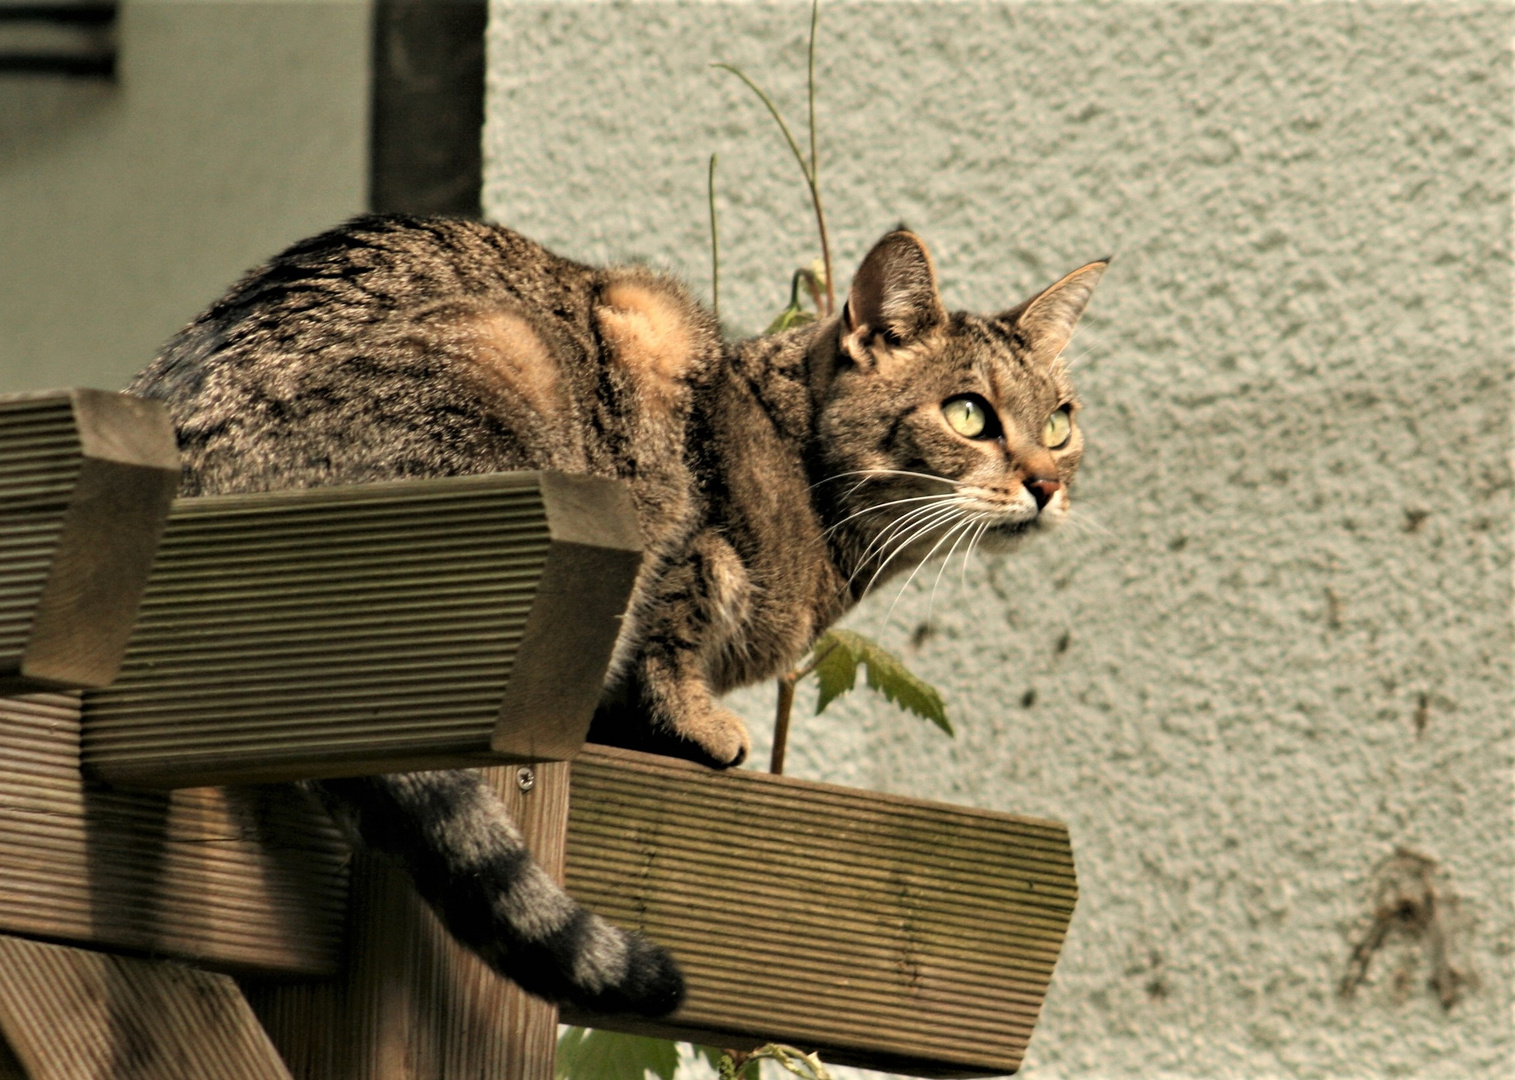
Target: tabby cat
x: 774, y: 480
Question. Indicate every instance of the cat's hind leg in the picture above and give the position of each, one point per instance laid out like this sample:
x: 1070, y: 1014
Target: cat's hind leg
x: 454, y: 837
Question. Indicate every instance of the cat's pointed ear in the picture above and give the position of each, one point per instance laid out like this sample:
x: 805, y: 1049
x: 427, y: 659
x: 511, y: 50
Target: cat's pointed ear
x: 893, y: 300
x: 1045, y: 322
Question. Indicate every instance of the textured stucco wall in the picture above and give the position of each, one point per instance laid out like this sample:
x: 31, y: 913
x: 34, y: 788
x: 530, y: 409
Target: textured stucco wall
x: 234, y: 128
x: 1278, y: 645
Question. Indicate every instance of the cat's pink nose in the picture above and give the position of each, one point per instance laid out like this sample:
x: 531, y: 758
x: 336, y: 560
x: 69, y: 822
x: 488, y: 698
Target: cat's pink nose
x: 1042, y: 489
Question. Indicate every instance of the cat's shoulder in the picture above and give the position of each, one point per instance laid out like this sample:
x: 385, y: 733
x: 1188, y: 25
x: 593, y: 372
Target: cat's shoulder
x: 653, y: 328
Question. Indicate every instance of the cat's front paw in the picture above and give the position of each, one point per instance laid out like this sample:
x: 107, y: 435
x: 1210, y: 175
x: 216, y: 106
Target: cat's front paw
x: 719, y: 734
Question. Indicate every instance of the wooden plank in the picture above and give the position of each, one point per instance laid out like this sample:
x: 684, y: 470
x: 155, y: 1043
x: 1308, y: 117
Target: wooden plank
x: 906, y: 936
x: 413, y: 1003
x: 240, y: 879
x: 372, y: 628
x: 884, y: 932
x: 69, y: 1014
x: 86, y: 479
x: 899, y: 935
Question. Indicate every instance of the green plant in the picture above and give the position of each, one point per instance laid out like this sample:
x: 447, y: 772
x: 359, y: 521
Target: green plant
x: 809, y: 168
x: 592, y: 1054
x: 732, y: 1066
x: 715, y: 246
x: 834, y: 659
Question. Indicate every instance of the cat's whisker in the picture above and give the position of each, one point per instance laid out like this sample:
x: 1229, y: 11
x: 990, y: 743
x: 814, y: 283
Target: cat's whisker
x: 1085, y: 522
x: 896, y: 502
x: 980, y: 523
x: 984, y: 526
x: 1073, y: 336
x: 968, y: 526
x: 875, y: 474
x: 854, y: 489
x: 1071, y: 362
x: 918, y: 535
x: 879, y: 542
x: 952, y: 504
x: 922, y: 530
x: 965, y: 523
x: 906, y: 521
x: 900, y: 539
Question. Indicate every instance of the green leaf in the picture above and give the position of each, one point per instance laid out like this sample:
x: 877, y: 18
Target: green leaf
x: 795, y: 314
x: 835, y: 669
x: 790, y: 317
x: 841, y: 651
x: 591, y: 1054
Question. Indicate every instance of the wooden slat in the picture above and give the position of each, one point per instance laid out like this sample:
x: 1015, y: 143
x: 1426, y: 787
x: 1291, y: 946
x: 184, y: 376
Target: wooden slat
x: 86, y: 478
x: 413, y: 1003
x: 242, y: 879
x: 372, y: 628
x: 69, y: 1014
x: 884, y: 932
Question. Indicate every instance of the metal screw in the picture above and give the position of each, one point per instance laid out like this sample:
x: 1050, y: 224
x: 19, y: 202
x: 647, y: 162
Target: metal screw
x: 525, y: 778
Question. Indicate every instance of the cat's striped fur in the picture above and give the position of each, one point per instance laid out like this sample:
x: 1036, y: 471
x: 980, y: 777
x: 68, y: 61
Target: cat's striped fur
x: 774, y: 481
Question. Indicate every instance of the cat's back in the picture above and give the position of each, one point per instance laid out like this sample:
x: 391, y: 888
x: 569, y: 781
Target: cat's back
x: 396, y: 346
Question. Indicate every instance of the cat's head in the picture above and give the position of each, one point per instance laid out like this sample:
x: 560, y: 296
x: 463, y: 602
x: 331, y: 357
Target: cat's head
x: 947, y: 429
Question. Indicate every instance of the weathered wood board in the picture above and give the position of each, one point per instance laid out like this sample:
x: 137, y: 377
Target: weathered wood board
x: 86, y: 479
x: 413, y: 1003
x: 886, y: 932
x: 70, y: 1014
x: 371, y: 628
x: 240, y: 879
x: 899, y: 935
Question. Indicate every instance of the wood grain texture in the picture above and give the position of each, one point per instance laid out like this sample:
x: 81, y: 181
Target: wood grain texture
x: 413, y: 1004
x: 886, y: 932
x: 70, y: 1014
x: 373, y: 628
x: 240, y: 879
x: 86, y: 479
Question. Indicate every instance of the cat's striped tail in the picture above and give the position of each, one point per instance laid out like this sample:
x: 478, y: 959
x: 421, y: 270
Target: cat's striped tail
x: 467, y: 858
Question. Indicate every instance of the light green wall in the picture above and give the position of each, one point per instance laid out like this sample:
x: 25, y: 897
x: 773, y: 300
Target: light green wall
x: 1295, y: 511
x: 233, y: 129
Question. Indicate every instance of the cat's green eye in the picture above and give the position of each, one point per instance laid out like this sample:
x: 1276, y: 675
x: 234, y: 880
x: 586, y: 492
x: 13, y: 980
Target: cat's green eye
x: 1058, y: 430
x: 966, y: 416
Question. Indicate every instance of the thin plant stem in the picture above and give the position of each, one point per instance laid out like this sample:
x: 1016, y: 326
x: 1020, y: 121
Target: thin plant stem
x: 794, y: 147
x: 785, y: 707
x: 814, y: 176
x: 781, y: 724
x: 715, y: 248
x: 815, y: 12
x: 807, y: 167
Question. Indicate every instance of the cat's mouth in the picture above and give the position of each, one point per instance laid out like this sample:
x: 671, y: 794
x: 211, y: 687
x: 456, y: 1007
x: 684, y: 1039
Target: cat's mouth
x: 1018, y: 516
x: 1017, y: 509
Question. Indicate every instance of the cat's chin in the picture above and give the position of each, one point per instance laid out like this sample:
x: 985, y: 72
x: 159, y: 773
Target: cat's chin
x: 1010, y: 537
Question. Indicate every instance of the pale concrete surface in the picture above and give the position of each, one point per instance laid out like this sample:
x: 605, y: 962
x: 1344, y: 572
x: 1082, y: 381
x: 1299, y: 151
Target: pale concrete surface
x: 1279, y: 643
x: 234, y: 129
